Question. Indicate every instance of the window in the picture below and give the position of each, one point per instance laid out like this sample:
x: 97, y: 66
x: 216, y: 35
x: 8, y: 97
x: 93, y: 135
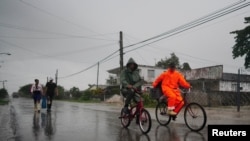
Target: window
x: 151, y: 73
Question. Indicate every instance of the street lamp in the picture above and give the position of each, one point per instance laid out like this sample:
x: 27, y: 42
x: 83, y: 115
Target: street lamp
x: 5, y: 53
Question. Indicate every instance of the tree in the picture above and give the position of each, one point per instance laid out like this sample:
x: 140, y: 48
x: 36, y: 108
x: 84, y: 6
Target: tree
x: 25, y: 90
x: 242, y: 45
x: 186, y: 66
x: 75, y: 92
x: 3, y: 93
x: 61, y: 93
x: 164, y: 63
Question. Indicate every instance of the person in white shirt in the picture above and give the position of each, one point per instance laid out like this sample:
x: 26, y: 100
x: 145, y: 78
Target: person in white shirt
x: 37, y: 92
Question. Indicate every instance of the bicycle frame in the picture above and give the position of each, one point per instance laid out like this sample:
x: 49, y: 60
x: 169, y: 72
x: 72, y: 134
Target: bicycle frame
x: 143, y: 118
x: 184, y: 100
x: 192, y: 110
x: 136, y: 109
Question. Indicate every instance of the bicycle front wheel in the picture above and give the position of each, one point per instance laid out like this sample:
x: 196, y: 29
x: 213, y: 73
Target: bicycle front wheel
x: 195, y: 117
x: 125, y: 119
x: 145, y: 121
x: 161, y: 114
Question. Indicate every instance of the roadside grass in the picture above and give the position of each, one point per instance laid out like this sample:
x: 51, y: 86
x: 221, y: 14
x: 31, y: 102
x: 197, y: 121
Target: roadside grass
x: 3, y: 102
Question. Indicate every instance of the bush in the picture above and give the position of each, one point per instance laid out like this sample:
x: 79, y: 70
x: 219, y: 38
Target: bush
x: 148, y: 101
x: 86, y: 95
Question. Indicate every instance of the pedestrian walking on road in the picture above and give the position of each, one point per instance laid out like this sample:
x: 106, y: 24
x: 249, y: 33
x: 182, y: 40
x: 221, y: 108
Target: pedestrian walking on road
x: 50, y: 91
x: 37, y: 92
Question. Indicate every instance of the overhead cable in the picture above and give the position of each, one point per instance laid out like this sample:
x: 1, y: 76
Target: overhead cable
x: 188, y: 24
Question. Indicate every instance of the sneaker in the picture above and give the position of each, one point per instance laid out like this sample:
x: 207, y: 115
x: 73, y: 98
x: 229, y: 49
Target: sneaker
x: 174, y: 118
x: 172, y: 113
x: 126, y: 110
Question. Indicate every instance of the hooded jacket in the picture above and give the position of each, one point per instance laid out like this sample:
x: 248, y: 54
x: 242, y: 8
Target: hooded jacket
x: 171, y: 80
x: 131, y: 77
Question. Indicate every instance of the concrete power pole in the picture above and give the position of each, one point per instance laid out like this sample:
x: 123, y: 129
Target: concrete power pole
x: 56, y: 76
x: 121, y: 59
x: 97, y: 81
x: 121, y: 51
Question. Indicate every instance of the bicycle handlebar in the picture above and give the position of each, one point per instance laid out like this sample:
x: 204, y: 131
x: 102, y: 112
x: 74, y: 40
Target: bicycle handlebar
x: 186, y: 90
x: 136, y: 90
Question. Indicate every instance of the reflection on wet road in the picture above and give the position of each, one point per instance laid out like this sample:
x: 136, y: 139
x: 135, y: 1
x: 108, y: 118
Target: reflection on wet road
x: 89, y: 122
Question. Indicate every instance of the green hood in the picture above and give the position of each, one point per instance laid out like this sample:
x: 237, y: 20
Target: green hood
x: 130, y: 61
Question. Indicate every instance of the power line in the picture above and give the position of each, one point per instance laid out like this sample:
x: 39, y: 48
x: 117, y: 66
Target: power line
x: 57, y: 17
x: 53, y: 15
x: 180, y: 29
x: 199, y: 23
x: 102, y: 60
x: 61, y: 35
x: 188, y: 24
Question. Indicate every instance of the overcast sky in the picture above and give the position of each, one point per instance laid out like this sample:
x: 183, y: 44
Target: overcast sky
x: 73, y: 35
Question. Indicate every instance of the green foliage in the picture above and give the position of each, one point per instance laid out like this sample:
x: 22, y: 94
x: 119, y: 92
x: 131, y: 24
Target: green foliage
x: 25, y: 90
x: 97, y: 92
x: 61, y: 93
x: 86, y: 95
x: 3, y: 93
x: 242, y: 45
x: 164, y: 63
x: 75, y: 92
x: 148, y: 100
x: 186, y: 66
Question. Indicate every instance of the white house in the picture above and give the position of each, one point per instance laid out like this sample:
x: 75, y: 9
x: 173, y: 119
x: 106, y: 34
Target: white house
x: 148, y: 73
x: 213, y: 74
x: 221, y: 81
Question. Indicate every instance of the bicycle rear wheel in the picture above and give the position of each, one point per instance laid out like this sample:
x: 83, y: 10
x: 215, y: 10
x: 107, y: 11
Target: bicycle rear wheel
x: 161, y: 114
x: 195, y: 117
x: 125, y: 119
x: 145, y: 121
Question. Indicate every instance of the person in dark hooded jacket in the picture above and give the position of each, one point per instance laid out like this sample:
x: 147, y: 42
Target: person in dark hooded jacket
x: 130, y: 78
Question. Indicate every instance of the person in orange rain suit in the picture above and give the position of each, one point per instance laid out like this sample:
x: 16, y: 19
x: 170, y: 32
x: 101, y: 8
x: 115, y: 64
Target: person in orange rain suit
x: 171, y: 80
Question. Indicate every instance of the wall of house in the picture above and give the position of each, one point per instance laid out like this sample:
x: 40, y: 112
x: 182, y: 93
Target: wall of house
x: 213, y: 72
x: 144, y: 73
x: 232, y: 86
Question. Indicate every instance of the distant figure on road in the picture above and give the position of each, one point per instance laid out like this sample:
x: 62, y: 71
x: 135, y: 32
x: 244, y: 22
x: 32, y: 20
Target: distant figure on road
x: 37, y: 91
x: 130, y: 78
x: 50, y: 91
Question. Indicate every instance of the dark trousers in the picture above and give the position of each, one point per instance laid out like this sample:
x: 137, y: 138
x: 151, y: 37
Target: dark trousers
x: 37, y: 96
x: 49, y: 100
x: 129, y: 95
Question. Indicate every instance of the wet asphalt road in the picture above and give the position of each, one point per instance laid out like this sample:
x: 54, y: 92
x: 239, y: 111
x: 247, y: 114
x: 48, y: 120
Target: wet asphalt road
x: 70, y: 121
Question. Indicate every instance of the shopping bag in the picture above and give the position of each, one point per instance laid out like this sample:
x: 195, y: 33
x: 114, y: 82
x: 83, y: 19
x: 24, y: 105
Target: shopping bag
x: 44, y: 102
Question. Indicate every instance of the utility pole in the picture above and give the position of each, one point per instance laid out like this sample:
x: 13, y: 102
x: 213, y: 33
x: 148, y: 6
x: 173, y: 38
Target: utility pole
x: 56, y: 76
x: 121, y: 51
x: 97, y: 75
x: 238, y: 92
x: 121, y: 58
x: 3, y: 83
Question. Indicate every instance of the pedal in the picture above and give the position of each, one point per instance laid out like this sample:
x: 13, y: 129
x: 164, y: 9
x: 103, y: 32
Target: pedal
x: 174, y: 118
x: 163, y: 113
